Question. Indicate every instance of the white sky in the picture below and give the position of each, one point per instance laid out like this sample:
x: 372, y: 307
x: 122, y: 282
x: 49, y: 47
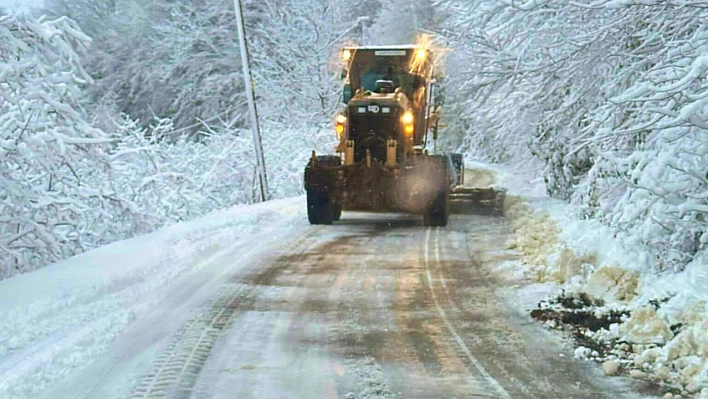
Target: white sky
x: 20, y: 4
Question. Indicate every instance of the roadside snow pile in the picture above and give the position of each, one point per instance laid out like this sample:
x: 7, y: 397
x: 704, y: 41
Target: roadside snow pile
x: 537, y: 238
x: 612, y: 282
x: 638, y: 341
x: 635, y: 322
x: 646, y: 327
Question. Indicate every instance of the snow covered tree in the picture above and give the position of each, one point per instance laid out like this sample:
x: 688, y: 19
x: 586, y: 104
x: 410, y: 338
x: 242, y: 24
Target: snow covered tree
x: 185, y: 64
x: 598, y: 92
x: 294, y: 48
x: 651, y: 137
x: 49, y: 153
x: 401, y: 22
x: 164, y: 59
x: 90, y: 15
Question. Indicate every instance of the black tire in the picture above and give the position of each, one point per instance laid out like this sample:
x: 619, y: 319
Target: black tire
x: 319, y: 181
x: 313, y: 214
x: 439, y: 211
x: 319, y: 208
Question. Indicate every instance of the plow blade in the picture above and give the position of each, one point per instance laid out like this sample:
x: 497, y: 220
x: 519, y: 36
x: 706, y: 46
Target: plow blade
x: 486, y: 201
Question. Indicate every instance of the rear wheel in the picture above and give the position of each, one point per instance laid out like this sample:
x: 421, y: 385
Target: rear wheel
x: 320, y: 210
x: 439, y: 211
x: 320, y: 181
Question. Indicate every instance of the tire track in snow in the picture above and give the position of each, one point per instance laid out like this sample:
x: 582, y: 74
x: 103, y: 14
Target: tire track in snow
x: 458, y: 339
x: 501, y: 369
x: 175, y: 372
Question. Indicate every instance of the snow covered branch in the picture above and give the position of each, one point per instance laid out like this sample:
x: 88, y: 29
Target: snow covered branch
x: 610, y: 96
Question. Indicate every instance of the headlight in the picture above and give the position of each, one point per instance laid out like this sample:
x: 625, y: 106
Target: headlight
x: 339, y: 127
x: 407, y: 120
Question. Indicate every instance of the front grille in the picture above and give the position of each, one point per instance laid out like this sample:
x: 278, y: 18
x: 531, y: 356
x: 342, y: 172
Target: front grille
x: 370, y: 131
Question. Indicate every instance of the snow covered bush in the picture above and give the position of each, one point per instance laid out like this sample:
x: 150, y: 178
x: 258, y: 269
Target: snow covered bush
x: 650, y: 174
x: 287, y: 150
x: 179, y: 180
x: 50, y: 199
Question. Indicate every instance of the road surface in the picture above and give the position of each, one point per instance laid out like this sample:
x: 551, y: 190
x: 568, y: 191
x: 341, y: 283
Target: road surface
x: 372, y: 307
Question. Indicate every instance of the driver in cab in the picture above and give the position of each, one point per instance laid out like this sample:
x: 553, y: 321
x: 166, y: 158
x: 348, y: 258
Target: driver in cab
x: 391, y: 76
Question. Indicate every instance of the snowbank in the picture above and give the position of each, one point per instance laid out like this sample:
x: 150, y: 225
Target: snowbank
x: 665, y: 336
x: 537, y: 238
x: 59, y: 320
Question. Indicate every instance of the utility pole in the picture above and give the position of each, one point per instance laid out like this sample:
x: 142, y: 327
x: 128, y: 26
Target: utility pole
x: 251, y: 98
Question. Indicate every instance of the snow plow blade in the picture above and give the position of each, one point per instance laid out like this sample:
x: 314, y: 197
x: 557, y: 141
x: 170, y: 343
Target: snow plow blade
x: 469, y: 200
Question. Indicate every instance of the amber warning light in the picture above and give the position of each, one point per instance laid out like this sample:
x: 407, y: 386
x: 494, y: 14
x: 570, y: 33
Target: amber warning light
x: 339, y: 127
x: 420, y: 55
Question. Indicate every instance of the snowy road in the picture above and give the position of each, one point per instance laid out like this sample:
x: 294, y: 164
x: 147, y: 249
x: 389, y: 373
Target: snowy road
x: 385, y: 308
x: 376, y: 306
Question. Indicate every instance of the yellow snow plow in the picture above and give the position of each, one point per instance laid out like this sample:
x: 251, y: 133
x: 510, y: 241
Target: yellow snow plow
x: 382, y: 164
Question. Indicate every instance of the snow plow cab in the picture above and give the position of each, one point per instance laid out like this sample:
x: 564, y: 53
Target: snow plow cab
x: 381, y: 163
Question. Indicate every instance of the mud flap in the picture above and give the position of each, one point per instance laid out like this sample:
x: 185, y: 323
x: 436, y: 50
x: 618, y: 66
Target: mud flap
x: 443, y: 174
x: 439, y: 211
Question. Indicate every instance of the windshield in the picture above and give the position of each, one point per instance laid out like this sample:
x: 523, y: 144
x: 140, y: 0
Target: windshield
x: 369, y: 66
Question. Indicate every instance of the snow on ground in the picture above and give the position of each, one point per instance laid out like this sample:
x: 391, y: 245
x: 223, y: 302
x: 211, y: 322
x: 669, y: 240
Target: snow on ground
x: 664, y: 335
x: 58, y: 320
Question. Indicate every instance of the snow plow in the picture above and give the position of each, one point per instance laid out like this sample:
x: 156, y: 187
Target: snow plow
x: 382, y: 164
